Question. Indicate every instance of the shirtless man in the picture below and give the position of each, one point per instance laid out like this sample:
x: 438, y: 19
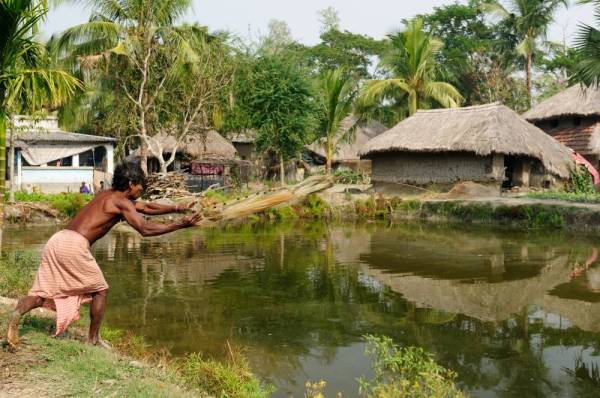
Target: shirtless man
x: 68, y: 274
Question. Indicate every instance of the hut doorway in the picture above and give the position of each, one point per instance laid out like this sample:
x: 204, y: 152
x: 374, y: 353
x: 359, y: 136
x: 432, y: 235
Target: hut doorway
x: 516, y: 172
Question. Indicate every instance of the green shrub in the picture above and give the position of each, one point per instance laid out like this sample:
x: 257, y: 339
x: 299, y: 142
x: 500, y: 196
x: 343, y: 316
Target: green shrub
x: 232, y: 379
x: 405, y: 372
x: 582, y: 181
x: 348, y: 177
x: 17, y: 270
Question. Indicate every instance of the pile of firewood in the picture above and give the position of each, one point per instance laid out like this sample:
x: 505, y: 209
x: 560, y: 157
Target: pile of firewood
x: 170, y: 185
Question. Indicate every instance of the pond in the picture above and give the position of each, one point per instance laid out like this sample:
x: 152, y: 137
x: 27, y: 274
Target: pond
x: 514, y: 313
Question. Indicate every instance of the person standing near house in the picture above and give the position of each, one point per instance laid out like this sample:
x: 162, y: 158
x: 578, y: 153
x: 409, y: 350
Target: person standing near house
x: 84, y: 188
x: 69, y: 275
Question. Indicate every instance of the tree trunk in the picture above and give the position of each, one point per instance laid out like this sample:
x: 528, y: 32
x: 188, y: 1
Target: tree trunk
x: 412, y: 103
x: 163, y: 166
x: 11, y: 168
x: 282, y: 169
x: 144, y: 156
x: 528, y: 75
x: 3, y: 117
x: 328, y: 155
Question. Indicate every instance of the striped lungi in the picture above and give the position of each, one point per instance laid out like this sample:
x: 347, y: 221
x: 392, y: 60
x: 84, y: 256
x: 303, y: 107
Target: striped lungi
x: 67, y: 276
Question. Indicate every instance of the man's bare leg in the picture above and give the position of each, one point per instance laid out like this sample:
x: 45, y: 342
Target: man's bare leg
x: 96, y: 315
x: 24, y: 305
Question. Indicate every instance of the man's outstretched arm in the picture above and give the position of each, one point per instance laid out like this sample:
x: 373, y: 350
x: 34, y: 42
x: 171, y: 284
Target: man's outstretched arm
x: 147, y: 228
x: 155, y: 209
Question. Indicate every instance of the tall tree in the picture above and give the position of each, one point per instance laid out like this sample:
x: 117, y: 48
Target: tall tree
x: 530, y: 20
x: 335, y: 101
x: 277, y: 39
x: 193, y: 102
x: 138, y: 37
x: 411, y: 63
x: 587, y: 43
x: 330, y: 19
x: 353, y: 52
x: 27, y: 81
x: 274, y: 97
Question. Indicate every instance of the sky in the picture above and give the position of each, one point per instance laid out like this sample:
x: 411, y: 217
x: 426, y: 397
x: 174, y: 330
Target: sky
x: 376, y: 18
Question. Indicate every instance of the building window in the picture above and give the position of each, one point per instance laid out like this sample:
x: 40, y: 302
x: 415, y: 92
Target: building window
x: 576, y: 121
x: 86, y: 159
x: 64, y: 162
x: 554, y: 123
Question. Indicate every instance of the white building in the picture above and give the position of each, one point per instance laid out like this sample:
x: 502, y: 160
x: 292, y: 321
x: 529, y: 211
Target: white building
x: 54, y: 160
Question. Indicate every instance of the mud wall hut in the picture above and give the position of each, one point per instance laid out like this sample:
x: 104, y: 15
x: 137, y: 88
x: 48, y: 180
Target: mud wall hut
x: 488, y: 144
x: 573, y: 118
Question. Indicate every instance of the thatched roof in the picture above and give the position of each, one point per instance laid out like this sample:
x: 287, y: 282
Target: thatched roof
x: 210, y: 145
x: 349, y: 151
x: 574, y: 101
x: 247, y: 136
x: 483, y: 129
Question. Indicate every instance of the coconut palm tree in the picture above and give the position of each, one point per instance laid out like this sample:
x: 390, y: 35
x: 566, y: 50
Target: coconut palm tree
x: 411, y: 60
x: 530, y: 20
x: 335, y: 100
x: 587, y: 43
x: 137, y: 37
x: 27, y: 81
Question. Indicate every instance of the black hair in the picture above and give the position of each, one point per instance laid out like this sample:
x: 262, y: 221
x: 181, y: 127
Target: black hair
x: 126, y: 173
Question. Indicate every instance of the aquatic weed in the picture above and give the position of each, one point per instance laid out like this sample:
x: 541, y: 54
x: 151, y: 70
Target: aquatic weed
x: 405, y: 372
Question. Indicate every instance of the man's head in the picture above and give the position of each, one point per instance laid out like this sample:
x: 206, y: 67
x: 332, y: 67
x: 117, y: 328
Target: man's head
x: 83, y: 183
x: 129, y: 178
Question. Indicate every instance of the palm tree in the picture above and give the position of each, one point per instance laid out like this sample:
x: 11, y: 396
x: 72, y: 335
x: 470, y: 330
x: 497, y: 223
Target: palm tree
x: 138, y: 38
x: 27, y: 82
x: 411, y: 59
x: 587, y: 43
x: 337, y: 93
x: 530, y: 20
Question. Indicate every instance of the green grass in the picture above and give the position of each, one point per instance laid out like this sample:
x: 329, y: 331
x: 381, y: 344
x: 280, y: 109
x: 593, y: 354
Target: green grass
x: 71, y: 368
x: 566, y: 196
x: 17, y: 270
x: 533, y: 216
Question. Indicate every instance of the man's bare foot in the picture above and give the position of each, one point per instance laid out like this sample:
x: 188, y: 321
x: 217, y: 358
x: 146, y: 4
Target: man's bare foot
x: 98, y: 342
x: 12, y: 335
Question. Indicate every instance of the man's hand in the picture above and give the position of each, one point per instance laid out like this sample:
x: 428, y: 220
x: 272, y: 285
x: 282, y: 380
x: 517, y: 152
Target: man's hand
x: 191, y: 220
x: 185, y: 207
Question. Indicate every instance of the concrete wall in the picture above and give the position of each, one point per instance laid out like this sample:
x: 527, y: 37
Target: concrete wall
x: 245, y: 151
x: 56, y: 179
x: 437, y: 168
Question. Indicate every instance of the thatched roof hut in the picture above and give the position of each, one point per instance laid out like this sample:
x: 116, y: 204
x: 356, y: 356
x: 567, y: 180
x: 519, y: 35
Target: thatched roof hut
x: 574, y: 101
x: 572, y: 117
x: 211, y: 145
x: 349, y: 151
x: 473, y: 143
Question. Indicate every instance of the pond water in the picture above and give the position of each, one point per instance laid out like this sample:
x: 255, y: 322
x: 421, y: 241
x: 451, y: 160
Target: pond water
x: 513, y: 313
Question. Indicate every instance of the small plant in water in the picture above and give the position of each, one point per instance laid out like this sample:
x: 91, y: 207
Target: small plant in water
x: 405, y: 372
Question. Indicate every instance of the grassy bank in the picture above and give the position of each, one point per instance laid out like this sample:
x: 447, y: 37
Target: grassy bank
x: 531, y: 216
x: 566, y: 196
x: 65, y: 204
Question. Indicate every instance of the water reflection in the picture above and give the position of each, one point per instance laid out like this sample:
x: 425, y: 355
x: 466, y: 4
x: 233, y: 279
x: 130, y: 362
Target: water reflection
x: 508, y: 310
